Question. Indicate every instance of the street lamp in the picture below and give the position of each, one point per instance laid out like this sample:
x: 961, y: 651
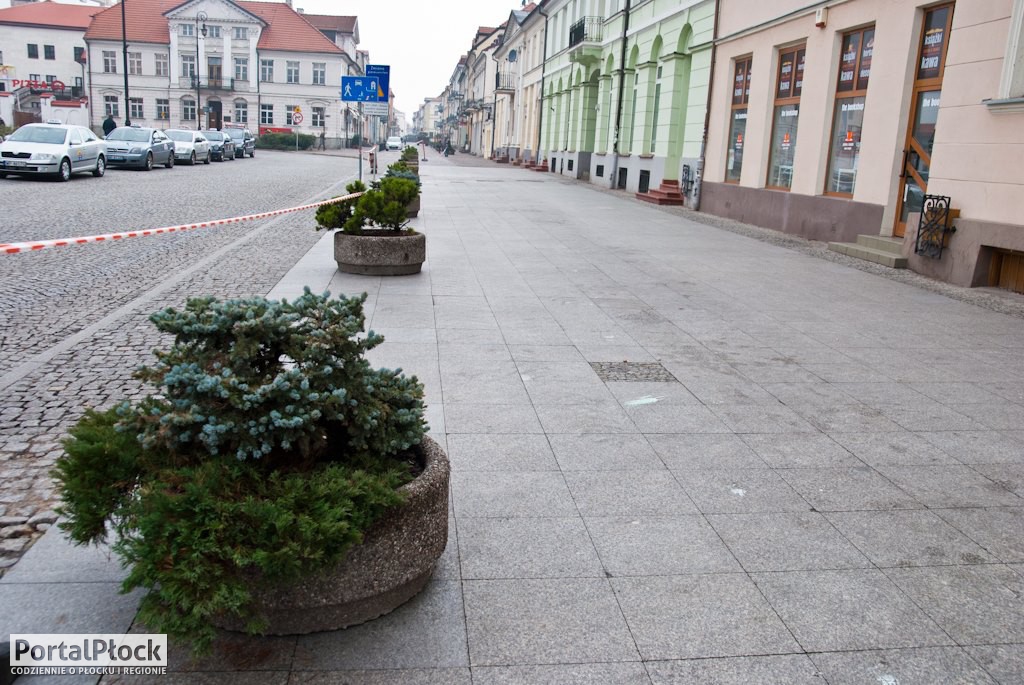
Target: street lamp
x: 201, y: 17
x: 124, y: 51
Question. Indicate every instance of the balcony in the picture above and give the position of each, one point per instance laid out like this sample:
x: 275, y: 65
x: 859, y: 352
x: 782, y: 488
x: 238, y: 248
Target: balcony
x: 213, y: 84
x: 505, y: 82
x: 585, y: 40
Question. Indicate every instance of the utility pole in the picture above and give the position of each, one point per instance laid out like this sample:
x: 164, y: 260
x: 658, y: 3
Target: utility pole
x: 124, y: 51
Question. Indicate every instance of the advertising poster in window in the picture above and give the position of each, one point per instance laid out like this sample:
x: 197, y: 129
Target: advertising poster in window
x: 867, y: 49
x: 932, y: 43
x: 786, y: 74
x: 799, y: 85
x: 848, y: 62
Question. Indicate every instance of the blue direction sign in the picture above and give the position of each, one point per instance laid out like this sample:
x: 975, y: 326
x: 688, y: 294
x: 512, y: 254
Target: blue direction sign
x: 359, y: 89
x: 382, y: 73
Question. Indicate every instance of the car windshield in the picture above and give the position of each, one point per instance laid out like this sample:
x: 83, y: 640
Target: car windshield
x: 235, y: 133
x: 214, y: 136
x: 180, y: 136
x: 134, y: 135
x: 39, y: 134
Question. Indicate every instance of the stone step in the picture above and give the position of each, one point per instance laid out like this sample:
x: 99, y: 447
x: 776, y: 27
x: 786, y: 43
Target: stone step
x: 883, y: 243
x: 870, y: 254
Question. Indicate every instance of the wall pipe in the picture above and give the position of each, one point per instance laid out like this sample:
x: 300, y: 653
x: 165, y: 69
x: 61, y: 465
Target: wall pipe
x: 618, y: 105
x: 698, y: 191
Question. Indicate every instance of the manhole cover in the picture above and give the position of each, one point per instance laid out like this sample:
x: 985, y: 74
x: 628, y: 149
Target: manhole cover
x: 632, y: 371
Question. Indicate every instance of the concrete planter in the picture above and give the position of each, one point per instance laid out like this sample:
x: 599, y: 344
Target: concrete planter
x: 412, y: 210
x: 379, y: 252
x: 390, y: 567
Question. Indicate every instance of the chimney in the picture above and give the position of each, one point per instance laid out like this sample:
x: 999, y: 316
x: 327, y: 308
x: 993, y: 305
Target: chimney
x: 288, y: 2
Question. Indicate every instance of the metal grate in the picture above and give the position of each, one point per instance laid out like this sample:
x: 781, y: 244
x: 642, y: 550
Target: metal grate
x: 637, y: 372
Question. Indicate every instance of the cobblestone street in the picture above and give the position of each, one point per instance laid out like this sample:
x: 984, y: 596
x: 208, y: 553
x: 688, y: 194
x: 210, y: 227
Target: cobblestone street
x: 74, y: 319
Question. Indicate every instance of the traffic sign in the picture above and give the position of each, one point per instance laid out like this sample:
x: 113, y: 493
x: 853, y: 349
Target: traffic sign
x: 382, y: 74
x: 359, y: 89
x: 297, y: 117
x: 298, y: 110
x: 375, y: 109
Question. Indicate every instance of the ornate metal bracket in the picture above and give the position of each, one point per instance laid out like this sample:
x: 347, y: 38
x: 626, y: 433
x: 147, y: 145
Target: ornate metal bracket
x: 934, y: 226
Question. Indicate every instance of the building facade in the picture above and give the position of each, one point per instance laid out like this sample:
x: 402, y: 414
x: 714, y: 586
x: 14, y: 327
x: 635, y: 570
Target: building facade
x: 42, y: 55
x: 626, y: 87
x: 520, y: 69
x: 212, y: 63
x: 835, y: 121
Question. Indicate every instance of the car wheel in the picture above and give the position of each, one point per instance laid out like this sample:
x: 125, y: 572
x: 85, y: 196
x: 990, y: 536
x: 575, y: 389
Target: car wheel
x: 3, y: 174
x: 101, y: 167
x: 149, y: 161
x: 64, y: 174
x: 170, y: 161
x: 192, y: 158
x: 207, y: 160
x: 252, y: 154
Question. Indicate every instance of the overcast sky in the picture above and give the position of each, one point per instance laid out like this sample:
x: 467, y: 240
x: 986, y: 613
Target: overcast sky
x: 422, y: 41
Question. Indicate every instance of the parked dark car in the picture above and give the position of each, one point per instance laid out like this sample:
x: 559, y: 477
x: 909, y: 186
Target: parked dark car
x: 245, y: 142
x: 222, y: 147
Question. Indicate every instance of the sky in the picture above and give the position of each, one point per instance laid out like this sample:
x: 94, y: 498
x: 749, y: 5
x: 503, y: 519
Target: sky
x: 421, y: 41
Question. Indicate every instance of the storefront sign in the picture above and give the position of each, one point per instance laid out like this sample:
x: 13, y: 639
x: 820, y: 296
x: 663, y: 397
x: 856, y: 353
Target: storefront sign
x: 37, y: 85
x: 848, y: 62
x: 786, y: 75
x: 849, y: 141
x: 785, y: 141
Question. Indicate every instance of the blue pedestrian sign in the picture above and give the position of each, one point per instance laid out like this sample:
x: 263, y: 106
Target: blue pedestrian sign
x: 360, y: 89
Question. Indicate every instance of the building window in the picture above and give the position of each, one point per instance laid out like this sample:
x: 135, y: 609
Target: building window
x: 848, y: 119
x: 318, y: 120
x: 109, y: 62
x: 163, y: 109
x: 241, y: 33
x: 110, y: 106
x: 293, y: 72
x: 267, y: 70
x: 49, y: 52
x: 241, y: 112
x: 289, y: 110
x: 267, y: 115
x: 319, y: 73
x: 50, y: 78
x: 135, y: 108
x: 654, y: 117
x: 33, y: 51
x: 188, y: 66
x: 188, y: 30
x: 213, y: 31
x: 241, y: 68
x: 135, y: 63
x: 788, y: 86
x: 34, y: 77
x: 161, y: 65
x: 738, y: 119
x: 188, y: 110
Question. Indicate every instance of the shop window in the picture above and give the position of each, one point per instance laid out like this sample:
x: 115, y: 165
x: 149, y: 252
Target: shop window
x: 786, y: 117
x: 738, y: 119
x: 848, y: 119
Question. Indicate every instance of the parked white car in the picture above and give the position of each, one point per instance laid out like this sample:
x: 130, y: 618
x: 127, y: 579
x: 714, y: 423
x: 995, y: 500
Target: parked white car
x: 52, y: 149
x: 394, y: 143
x: 189, y: 146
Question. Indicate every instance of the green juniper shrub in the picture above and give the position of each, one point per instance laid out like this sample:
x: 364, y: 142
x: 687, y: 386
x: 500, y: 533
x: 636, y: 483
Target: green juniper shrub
x: 384, y: 205
x: 402, y: 170
x: 268, y: 448
x: 410, y: 152
x: 335, y: 215
x: 285, y: 141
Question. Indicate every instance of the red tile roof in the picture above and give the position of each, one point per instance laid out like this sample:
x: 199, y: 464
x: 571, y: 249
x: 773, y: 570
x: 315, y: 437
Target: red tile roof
x: 288, y: 30
x: 49, y: 14
x: 285, y: 28
x: 328, y: 22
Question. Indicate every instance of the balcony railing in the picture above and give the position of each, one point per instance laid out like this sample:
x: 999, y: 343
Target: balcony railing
x: 586, y: 30
x: 505, y: 81
x: 205, y: 83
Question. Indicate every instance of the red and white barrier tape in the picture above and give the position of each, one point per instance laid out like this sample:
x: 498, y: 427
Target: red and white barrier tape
x: 34, y: 246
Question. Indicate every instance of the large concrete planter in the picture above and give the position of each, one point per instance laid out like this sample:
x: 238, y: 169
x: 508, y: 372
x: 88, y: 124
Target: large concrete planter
x: 379, y: 253
x: 412, y: 210
x: 391, y: 566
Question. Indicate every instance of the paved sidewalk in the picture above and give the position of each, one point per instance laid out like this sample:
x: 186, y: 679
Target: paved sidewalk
x: 679, y: 456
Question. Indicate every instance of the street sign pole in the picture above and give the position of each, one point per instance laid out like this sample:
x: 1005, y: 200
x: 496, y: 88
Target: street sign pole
x: 359, y: 116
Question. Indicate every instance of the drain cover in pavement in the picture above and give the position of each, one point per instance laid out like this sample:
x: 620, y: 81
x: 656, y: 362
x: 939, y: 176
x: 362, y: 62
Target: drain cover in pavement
x: 632, y: 371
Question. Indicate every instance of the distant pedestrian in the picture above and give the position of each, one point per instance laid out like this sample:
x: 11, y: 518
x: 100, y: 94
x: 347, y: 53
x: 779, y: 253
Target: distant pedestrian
x: 109, y: 125
x: 323, y: 140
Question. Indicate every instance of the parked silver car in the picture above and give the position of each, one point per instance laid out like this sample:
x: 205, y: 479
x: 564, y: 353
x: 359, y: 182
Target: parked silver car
x: 141, y: 147
x: 245, y: 143
x: 52, y: 149
x: 190, y: 146
x: 222, y: 148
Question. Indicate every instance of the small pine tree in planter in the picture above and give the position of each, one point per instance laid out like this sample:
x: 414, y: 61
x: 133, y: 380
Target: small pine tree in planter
x: 374, y: 239
x: 275, y: 483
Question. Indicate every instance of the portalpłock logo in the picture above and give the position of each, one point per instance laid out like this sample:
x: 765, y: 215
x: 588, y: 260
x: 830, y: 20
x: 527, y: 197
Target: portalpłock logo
x: 83, y: 654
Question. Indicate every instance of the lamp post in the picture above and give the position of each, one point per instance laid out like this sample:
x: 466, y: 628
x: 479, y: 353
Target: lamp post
x: 124, y: 51
x: 201, y: 17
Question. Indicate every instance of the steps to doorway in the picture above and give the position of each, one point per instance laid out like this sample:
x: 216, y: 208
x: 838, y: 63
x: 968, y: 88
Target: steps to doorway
x: 874, y: 248
x: 667, y: 194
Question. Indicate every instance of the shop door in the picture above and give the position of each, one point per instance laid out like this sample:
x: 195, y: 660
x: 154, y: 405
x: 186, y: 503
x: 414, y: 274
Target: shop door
x: 924, y: 111
x: 215, y: 118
